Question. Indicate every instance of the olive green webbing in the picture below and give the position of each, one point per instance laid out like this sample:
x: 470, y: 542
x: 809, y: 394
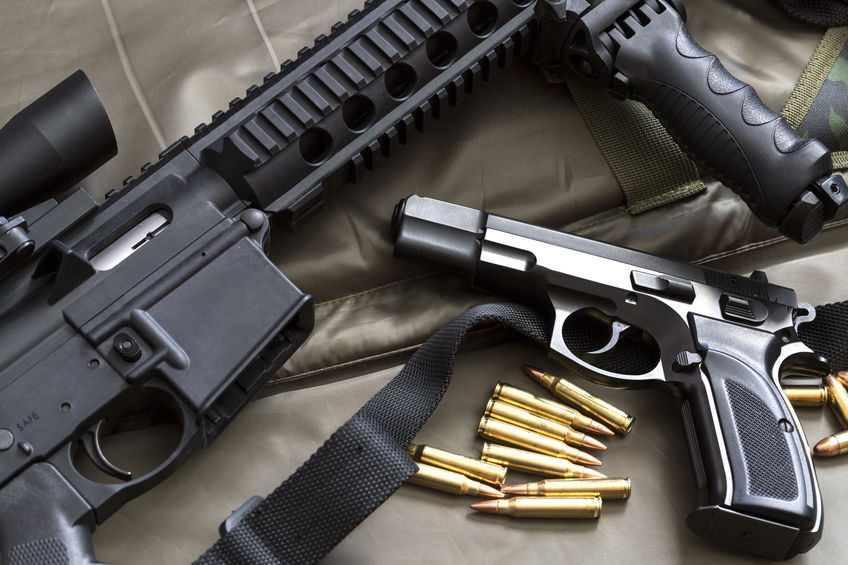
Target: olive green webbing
x: 812, y: 79
x: 650, y: 167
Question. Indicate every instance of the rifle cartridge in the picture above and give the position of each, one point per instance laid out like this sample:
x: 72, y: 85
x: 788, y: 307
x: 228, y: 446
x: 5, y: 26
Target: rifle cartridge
x: 605, y: 488
x: 838, y: 398
x: 536, y: 463
x: 548, y: 409
x: 535, y: 423
x: 450, y: 482
x: 508, y: 433
x: 806, y: 395
x: 837, y: 444
x: 617, y: 419
x: 541, y: 507
x: 489, y: 473
x: 842, y: 377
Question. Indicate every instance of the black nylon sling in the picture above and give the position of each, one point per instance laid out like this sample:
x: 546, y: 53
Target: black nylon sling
x: 827, y: 335
x: 364, y: 461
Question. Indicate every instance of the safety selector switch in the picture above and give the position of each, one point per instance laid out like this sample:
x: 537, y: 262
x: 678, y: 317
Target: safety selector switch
x: 741, y: 309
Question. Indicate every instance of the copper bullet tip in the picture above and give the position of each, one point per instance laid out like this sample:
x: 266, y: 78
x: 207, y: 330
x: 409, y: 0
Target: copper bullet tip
x: 515, y: 489
x: 487, y: 506
x: 533, y: 372
x: 592, y: 443
x: 588, y: 473
x: 828, y: 447
x: 600, y: 429
x: 587, y: 459
x: 486, y: 490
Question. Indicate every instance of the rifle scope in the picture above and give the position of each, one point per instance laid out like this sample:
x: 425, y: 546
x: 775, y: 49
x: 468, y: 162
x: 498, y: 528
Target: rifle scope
x: 53, y: 143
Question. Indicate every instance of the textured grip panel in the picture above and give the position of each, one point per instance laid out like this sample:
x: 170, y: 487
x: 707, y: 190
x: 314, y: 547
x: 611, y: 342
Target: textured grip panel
x: 767, y: 470
x: 768, y: 463
x: 49, y: 551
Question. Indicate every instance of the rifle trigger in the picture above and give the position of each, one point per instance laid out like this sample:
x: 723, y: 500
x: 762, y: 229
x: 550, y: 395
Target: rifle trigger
x: 91, y: 443
x: 618, y: 329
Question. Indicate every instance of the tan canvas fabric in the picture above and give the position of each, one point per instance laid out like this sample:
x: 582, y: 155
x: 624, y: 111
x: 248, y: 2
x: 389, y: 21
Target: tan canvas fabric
x: 519, y: 148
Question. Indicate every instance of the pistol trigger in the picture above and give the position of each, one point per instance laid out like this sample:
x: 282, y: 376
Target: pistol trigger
x: 91, y: 443
x: 618, y: 329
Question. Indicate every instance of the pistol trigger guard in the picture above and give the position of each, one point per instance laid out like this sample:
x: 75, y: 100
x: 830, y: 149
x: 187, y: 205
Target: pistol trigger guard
x: 91, y: 443
x: 618, y: 329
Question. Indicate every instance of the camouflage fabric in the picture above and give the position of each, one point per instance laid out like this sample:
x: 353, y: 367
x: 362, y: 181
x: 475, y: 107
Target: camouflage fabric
x: 827, y: 118
x: 818, y: 107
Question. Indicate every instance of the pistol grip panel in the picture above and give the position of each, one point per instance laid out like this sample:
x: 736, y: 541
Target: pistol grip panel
x: 44, y: 521
x: 771, y: 504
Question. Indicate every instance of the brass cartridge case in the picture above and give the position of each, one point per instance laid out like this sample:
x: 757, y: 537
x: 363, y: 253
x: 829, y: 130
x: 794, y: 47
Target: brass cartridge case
x: 617, y: 419
x: 450, y: 482
x: 497, y: 430
x: 837, y: 444
x: 535, y: 423
x: 536, y: 463
x: 838, y: 398
x: 474, y: 468
x: 806, y: 395
x: 541, y: 507
x: 548, y: 409
x: 605, y: 488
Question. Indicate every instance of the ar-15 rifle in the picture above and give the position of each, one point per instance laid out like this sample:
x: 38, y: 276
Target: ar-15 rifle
x: 623, y: 318
x: 108, y: 298
x: 161, y: 297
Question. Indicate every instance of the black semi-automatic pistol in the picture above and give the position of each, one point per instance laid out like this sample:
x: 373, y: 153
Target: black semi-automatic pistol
x: 623, y: 318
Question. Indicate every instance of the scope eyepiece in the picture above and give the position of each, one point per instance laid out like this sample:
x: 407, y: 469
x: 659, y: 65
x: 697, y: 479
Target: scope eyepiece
x: 53, y: 144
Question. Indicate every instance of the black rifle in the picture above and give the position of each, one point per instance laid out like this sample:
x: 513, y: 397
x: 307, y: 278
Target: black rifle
x: 624, y: 318
x: 102, y: 306
x: 161, y: 298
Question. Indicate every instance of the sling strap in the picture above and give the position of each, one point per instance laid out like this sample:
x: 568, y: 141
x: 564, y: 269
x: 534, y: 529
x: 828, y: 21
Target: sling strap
x: 364, y: 461
x: 827, y: 335
x: 648, y: 164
